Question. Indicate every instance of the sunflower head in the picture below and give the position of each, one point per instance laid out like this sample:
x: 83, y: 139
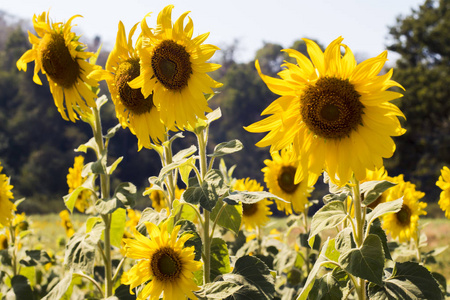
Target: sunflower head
x: 253, y: 214
x: 66, y: 222
x: 403, y: 224
x: 444, y: 184
x: 58, y: 53
x: 165, y: 264
x: 279, y: 175
x: 7, y: 207
x: 159, y: 200
x: 335, y: 112
x: 74, y: 180
x: 174, y: 69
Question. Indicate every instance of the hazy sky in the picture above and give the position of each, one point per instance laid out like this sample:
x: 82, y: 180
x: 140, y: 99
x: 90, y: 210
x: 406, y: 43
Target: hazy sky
x: 362, y: 23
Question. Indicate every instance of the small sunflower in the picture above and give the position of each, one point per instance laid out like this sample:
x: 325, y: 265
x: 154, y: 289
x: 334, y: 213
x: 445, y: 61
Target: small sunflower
x: 253, y: 214
x: 444, y: 184
x: 4, y: 241
x: 7, y: 208
x: 164, y: 266
x: 336, y: 113
x: 74, y: 180
x: 174, y: 68
x: 133, y: 110
x: 159, y: 200
x: 66, y: 222
x: 403, y: 224
x: 279, y: 175
x: 58, y: 53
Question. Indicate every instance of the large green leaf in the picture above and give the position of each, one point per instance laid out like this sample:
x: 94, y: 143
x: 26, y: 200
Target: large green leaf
x: 366, y: 262
x: 408, y: 280
x: 373, y: 189
x: 218, y: 290
x: 80, y: 250
x: 328, y: 287
x: 384, y: 208
x: 118, y: 221
x: 254, y: 278
x: 230, y: 215
x: 220, y: 260
x: 227, y: 148
x: 211, y: 189
x: 329, y: 216
x: 20, y: 288
x: 379, y: 231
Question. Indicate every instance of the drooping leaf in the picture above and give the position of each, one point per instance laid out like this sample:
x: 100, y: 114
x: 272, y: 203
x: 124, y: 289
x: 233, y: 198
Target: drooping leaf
x: 230, y: 215
x: 250, y: 197
x: 366, y: 262
x: 35, y: 257
x: 152, y: 216
x: 20, y: 288
x: 227, y: 148
x: 373, y: 189
x: 113, y: 166
x: 58, y: 291
x: 184, y: 153
x: 220, y: 260
x: 329, y: 216
x: 408, y: 280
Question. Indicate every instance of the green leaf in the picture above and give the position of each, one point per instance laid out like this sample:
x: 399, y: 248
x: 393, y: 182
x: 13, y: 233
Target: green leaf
x: 88, y: 184
x: 124, y: 197
x: 91, y: 144
x: 408, y: 280
x: 183, y: 211
x: 384, y: 208
x: 373, y: 189
x: 230, y: 216
x: 220, y: 260
x: 59, y: 290
x: 80, y: 249
x: 329, y: 216
x: 152, y: 216
x: 195, y: 240
x: 218, y: 290
x: 209, y: 192
x: 378, y: 230
x: 254, y: 278
x: 122, y: 292
x: 184, y: 153
x: 366, y: 262
x: 345, y: 241
x: 112, y: 131
x: 214, y: 115
x: 21, y: 288
x: 327, y: 288
x: 186, y: 168
x: 250, y: 197
x: 118, y: 220
x: 227, y: 148
x: 97, y: 167
x: 112, y: 168
x: 35, y: 257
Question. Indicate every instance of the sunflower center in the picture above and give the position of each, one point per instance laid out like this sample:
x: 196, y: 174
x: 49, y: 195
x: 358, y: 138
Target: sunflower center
x: 172, y: 65
x: 249, y: 209
x: 132, y: 99
x: 404, y: 215
x: 331, y: 108
x: 57, y: 62
x: 286, y: 179
x: 166, y: 264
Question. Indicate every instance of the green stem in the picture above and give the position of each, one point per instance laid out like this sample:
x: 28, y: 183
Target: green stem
x: 202, y: 141
x: 118, y: 270
x: 308, y: 251
x: 217, y: 219
x: 359, y: 234
x: 170, y: 178
x: 93, y: 281
x: 14, y: 252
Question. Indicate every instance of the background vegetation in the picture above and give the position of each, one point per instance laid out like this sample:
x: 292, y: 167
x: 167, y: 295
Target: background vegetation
x: 30, y: 125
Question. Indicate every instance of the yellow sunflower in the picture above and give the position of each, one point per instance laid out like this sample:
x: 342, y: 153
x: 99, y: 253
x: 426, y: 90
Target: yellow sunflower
x: 7, y: 208
x: 66, y: 222
x: 444, y: 184
x: 159, y: 200
x: 174, y: 67
x: 403, y: 224
x: 164, y: 266
x: 253, y: 214
x: 4, y: 241
x: 279, y: 175
x: 335, y: 112
x: 74, y: 180
x: 132, y: 109
x: 59, y: 54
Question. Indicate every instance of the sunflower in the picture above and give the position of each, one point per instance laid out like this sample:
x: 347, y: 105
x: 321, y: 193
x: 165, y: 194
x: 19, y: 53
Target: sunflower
x: 403, y: 224
x: 174, y: 67
x: 66, y: 222
x: 253, y: 214
x: 164, y: 265
x: 74, y: 180
x: 444, y: 184
x: 335, y: 112
x: 7, y: 208
x: 61, y: 57
x: 159, y: 200
x: 279, y: 175
x: 133, y: 110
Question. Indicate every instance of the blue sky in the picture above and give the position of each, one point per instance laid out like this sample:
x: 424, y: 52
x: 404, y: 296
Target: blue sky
x: 362, y: 23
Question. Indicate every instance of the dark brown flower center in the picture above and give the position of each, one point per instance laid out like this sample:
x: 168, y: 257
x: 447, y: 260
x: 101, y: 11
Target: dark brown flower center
x: 404, y: 215
x: 172, y: 65
x: 131, y: 98
x: 156, y: 198
x: 249, y: 209
x: 286, y: 179
x: 331, y: 108
x: 57, y: 62
x: 165, y: 264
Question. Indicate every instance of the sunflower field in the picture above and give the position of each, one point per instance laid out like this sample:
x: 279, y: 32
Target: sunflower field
x: 205, y: 234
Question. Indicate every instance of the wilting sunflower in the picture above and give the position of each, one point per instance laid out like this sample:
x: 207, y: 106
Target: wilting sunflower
x: 59, y: 54
x: 335, y: 112
x: 74, y: 180
x: 279, y: 175
x: 7, y: 208
x: 174, y: 67
x: 132, y: 109
x: 165, y: 264
x: 254, y: 214
x: 403, y: 224
x: 444, y: 184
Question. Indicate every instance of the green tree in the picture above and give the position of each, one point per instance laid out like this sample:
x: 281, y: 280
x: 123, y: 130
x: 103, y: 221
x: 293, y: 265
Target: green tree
x: 423, y: 41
